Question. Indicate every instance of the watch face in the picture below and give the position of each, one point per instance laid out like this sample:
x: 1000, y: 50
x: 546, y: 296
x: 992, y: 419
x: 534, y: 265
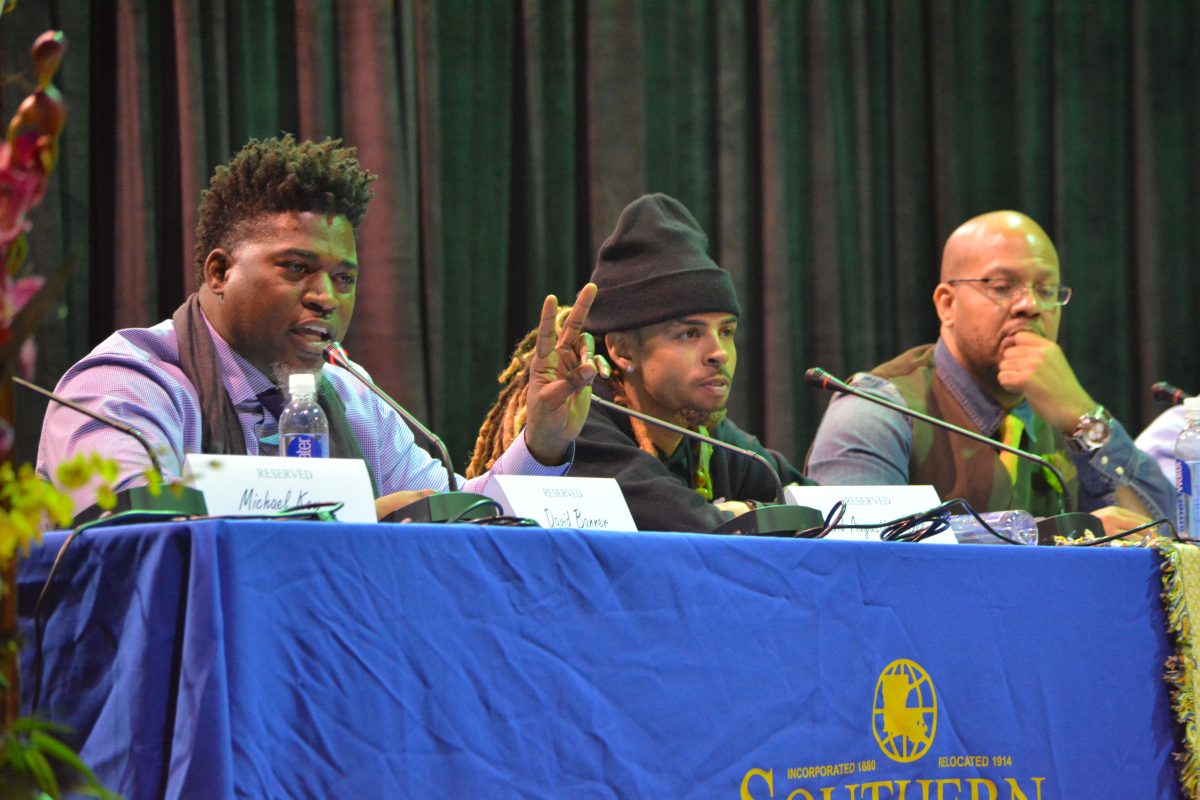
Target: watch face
x: 1096, y: 431
x: 1093, y: 431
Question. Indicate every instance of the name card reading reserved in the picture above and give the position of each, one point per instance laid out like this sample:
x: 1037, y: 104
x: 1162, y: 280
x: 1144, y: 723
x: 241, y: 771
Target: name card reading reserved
x: 257, y: 485
x: 867, y: 505
x: 556, y: 502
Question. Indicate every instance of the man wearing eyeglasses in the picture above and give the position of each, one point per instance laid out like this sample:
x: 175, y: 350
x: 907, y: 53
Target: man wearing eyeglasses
x: 995, y: 369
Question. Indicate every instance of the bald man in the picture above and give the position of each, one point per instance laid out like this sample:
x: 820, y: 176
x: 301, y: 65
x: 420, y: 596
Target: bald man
x: 996, y: 369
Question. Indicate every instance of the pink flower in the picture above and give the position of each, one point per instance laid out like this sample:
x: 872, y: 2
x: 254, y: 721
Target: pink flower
x: 28, y: 154
x: 27, y: 359
x: 23, y: 290
x: 20, y: 190
x: 14, y: 294
x: 47, y: 53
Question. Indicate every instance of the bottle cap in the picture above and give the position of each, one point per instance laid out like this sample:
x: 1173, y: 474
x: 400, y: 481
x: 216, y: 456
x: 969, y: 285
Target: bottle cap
x: 302, y: 383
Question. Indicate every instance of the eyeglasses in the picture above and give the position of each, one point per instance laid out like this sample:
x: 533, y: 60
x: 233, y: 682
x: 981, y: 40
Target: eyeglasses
x: 1005, y: 291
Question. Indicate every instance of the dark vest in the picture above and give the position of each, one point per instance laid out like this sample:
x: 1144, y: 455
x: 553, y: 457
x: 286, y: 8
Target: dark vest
x: 959, y: 467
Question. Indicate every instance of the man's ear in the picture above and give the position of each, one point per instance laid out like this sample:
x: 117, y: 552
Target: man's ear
x: 215, y: 273
x: 943, y: 301
x: 620, y: 350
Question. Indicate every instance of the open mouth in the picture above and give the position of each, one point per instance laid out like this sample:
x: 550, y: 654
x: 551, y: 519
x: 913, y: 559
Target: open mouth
x: 315, y: 336
x: 716, y: 385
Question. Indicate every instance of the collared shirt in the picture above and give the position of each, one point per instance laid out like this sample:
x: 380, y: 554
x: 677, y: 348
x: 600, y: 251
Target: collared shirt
x: 861, y: 443
x: 134, y: 376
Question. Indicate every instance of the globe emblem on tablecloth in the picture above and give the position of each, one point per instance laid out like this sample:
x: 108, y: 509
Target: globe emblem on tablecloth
x: 904, y: 719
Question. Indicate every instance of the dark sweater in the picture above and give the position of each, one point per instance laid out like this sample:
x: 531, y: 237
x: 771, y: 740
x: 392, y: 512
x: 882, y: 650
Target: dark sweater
x: 959, y: 467
x: 659, y: 491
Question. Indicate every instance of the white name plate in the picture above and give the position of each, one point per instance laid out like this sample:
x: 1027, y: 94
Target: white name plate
x: 257, y: 485
x: 867, y: 505
x: 555, y: 502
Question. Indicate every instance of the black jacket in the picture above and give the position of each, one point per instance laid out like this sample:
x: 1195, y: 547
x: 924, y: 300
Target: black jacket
x: 659, y: 492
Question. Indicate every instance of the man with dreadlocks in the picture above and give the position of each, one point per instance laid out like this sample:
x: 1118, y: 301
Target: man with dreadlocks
x: 667, y: 314
x: 277, y: 268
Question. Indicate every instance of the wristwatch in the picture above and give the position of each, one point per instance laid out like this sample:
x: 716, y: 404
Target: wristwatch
x: 1092, y: 431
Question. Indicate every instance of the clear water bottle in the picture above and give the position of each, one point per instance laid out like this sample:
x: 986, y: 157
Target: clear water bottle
x: 1187, y: 471
x: 1018, y: 525
x: 303, y: 429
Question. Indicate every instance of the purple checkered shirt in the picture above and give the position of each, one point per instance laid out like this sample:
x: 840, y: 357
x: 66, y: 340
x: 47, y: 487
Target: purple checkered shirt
x: 134, y: 376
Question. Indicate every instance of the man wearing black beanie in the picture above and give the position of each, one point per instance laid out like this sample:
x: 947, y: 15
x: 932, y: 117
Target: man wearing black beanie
x: 666, y: 313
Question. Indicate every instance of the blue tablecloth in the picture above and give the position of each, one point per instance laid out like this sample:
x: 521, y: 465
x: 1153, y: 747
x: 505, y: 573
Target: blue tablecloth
x: 271, y: 659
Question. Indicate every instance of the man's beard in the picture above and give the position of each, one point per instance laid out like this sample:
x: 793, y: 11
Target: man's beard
x: 281, y: 373
x: 697, y: 417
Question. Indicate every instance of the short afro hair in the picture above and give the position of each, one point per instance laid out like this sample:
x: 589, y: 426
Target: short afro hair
x: 275, y: 176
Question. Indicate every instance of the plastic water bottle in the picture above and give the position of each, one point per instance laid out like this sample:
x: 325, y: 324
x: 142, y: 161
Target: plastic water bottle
x: 1016, y: 525
x: 1187, y: 471
x: 303, y: 429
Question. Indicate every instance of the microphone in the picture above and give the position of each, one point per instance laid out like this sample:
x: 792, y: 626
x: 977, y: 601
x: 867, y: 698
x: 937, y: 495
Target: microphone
x: 682, y: 431
x: 764, y: 520
x: 445, y: 507
x: 1166, y: 393
x: 87, y: 412
x: 823, y: 380
x: 187, y: 501
x: 335, y: 354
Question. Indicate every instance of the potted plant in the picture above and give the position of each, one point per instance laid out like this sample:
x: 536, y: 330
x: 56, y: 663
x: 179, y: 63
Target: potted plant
x: 34, y: 761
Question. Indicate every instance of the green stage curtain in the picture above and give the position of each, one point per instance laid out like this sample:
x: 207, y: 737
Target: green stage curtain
x: 827, y: 147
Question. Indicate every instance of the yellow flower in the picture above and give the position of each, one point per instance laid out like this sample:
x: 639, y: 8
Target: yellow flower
x: 30, y: 503
x: 80, y: 470
x: 153, y: 481
x: 60, y: 508
x: 106, y: 498
x: 17, y: 529
x: 74, y: 473
x: 106, y: 468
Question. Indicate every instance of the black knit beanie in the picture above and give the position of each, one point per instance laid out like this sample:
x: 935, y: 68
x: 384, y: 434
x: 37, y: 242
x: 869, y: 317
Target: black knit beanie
x: 655, y: 267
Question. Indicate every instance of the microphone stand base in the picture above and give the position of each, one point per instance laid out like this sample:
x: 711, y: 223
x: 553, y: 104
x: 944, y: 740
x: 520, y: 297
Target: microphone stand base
x: 1070, y: 526
x: 186, y: 501
x: 446, y: 507
x: 775, y: 520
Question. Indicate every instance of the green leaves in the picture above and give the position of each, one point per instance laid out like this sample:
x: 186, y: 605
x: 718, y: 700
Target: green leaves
x: 35, y: 763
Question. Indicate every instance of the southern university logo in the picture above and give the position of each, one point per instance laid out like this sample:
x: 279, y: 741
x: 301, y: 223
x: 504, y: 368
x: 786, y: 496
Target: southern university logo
x: 904, y: 720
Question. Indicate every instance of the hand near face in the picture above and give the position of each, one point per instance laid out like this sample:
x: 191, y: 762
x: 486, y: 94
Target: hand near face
x: 1037, y: 368
x: 560, y: 380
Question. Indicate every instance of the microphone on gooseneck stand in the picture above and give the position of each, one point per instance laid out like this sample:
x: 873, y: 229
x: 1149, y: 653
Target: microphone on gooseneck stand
x: 181, y: 499
x: 335, y: 354
x: 451, y: 505
x: 1066, y: 524
x: 763, y: 520
x: 1166, y: 393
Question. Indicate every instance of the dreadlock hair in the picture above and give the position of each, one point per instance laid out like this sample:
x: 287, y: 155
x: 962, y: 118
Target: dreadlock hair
x: 507, y: 416
x: 274, y: 176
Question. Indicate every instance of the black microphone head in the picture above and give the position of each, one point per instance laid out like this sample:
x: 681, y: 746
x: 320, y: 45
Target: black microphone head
x: 335, y: 354
x: 819, y: 378
x: 1167, y: 393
